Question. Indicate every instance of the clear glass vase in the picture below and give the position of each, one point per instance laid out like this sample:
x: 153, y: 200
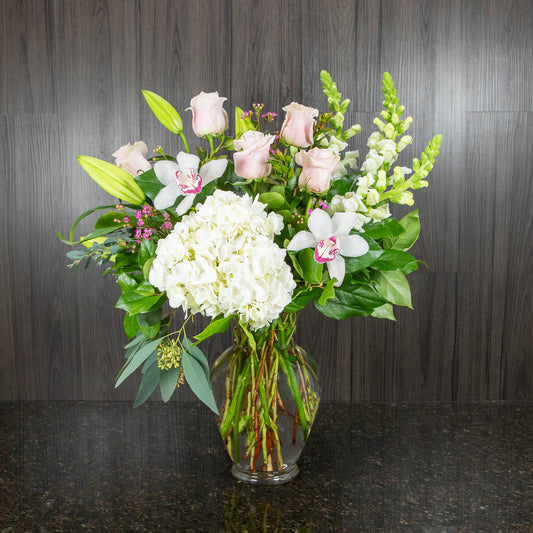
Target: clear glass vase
x: 267, y: 393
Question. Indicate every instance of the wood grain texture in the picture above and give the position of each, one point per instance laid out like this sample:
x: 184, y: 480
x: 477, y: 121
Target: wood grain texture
x: 71, y: 75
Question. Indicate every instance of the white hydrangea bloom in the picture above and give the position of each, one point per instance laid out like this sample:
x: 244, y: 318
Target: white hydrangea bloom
x: 222, y: 260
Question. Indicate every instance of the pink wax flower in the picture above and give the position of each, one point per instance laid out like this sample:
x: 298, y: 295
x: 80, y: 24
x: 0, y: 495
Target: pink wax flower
x: 319, y: 164
x: 252, y: 160
x: 132, y: 159
x: 297, y: 129
x: 208, y: 115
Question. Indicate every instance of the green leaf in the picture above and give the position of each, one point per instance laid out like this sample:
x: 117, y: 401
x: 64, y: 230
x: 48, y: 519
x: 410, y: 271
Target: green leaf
x: 149, y: 382
x: 274, y: 200
x: 327, y: 293
x: 107, y: 220
x: 394, y: 287
x: 411, y: 224
x: 354, y: 264
x: 149, y: 183
x: 301, y: 297
x: 131, y: 327
x: 143, y: 351
x: 396, y: 260
x: 146, y: 252
x: 351, y: 299
x: 134, y: 302
x: 112, y: 179
x: 311, y: 269
x: 164, y: 111
x: 195, y: 374
x: 147, y: 267
x: 384, y: 311
x: 217, y: 325
x: 386, y: 228
x: 126, y: 282
x: 150, y: 323
x: 242, y: 125
x: 168, y: 379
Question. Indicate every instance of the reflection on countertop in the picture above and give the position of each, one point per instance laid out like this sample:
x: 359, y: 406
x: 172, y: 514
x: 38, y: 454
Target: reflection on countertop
x: 105, y: 467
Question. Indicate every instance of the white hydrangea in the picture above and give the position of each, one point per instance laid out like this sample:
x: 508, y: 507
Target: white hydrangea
x: 222, y: 259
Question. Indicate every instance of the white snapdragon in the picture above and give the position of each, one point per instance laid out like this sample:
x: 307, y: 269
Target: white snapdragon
x: 222, y: 260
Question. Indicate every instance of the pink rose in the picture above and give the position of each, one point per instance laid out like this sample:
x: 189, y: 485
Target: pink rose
x: 297, y: 129
x: 132, y: 159
x: 252, y: 161
x: 208, y: 115
x: 319, y: 164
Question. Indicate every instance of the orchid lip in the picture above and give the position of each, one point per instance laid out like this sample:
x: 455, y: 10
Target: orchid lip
x: 326, y: 249
x: 189, y: 181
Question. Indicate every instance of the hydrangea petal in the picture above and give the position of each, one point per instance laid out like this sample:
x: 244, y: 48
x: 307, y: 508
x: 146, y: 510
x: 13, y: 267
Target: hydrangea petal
x: 167, y: 196
x: 320, y: 224
x: 303, y: 239
x: 165, y: 172
x: 353, y: 245
x: 337, y: 269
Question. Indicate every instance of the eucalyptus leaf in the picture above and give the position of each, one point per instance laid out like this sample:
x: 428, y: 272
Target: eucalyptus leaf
x: 149, y: 382
x: 197, y: 379
x: 168, y: 379
x: 142, y: 353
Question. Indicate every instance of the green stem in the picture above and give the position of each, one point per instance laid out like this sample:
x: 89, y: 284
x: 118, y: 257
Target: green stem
x: 293, y: 385
x: 184, y: 141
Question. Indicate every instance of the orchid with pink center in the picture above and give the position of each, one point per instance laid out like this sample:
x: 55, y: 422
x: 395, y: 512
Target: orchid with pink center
x: 331, y: 239
x: 183, y: 178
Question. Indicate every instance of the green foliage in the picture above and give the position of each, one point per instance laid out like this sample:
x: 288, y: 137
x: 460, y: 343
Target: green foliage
x: 164, y: 112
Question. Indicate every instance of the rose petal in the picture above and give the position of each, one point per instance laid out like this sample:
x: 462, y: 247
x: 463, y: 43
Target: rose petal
x: 165, y: 172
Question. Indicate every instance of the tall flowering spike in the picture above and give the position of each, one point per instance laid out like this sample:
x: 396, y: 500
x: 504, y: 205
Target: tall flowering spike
x: 331, y: 239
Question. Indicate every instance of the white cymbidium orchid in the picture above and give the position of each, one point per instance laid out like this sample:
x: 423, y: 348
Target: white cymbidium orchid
x: 331, y: 239
x: 183, y: 179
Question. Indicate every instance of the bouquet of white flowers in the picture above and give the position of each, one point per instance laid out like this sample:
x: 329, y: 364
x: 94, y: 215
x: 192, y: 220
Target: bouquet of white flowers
x: 242, y: 232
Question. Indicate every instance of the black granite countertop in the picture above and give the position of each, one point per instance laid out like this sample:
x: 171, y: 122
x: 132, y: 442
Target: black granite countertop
x: 105, y: 467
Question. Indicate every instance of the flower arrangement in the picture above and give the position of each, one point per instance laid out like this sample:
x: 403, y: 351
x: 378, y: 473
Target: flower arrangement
x: 251, y: 229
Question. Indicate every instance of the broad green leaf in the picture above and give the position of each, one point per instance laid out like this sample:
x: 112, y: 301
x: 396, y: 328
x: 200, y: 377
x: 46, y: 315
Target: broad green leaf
x: 311, y: 269
x: 142, y: 353
x: 126, y: 282
x: 354, y: 264
x: 149, y: 183
x: 131, y: 327
x: 196, y: 377
x: 112, y: 179
x: 242, y: 125
x: 411, y: 224
x: 274, y: 200
x: 217, y: 325
x: 301, y: 297
x: 168, y: 379
x: 164, y: 111
x: 147, y: 267
x: 107, y: 220
x: 146, y: 252
x: 394, y: 287
x: 134, y: 302
x: 386, y: 228
x: 150, y: 322
x: 395, y: 260
x: 327, y: 293
x: 149, y: 382
x: 384, y: 311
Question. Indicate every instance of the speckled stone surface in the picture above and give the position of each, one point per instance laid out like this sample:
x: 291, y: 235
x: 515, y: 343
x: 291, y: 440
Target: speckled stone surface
x: 105, y: 467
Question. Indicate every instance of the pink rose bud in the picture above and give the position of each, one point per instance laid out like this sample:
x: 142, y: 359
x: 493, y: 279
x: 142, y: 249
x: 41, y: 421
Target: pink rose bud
x: 208, y: 115
x: 252, y: 161
x: 297, y: 129
x: 132, y: 159
x: 319, y: 164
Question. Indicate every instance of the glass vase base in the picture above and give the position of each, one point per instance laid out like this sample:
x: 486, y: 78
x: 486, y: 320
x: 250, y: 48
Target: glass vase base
x: 275, y: 477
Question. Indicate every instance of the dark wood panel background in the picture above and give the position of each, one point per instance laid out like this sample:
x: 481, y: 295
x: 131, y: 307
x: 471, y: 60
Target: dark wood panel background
x: 70, y: 82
